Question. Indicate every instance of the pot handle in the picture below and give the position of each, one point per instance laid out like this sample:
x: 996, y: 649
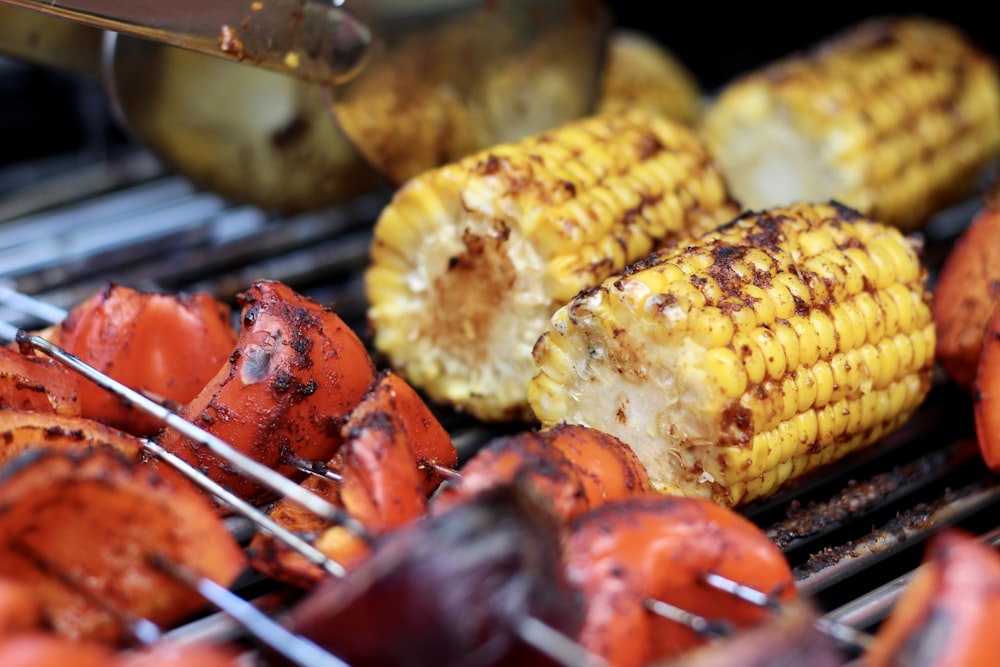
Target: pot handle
x: 318, y: 41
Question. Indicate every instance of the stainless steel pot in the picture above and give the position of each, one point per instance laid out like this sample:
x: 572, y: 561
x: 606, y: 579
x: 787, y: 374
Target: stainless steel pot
x: 437, y: 80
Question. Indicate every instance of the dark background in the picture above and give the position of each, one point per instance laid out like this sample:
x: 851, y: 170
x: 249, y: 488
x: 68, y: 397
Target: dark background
x: 717, y: 41
x: 44, y: 112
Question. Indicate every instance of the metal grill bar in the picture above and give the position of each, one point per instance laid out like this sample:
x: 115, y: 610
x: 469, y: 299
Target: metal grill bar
x: 853, y: 532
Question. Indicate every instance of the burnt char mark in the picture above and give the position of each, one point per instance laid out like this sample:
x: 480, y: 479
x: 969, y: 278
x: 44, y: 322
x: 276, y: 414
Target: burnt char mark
x: 846, y: 213
x: 22, y: 384
x: 648, y: 146
x: 736, y: 424
x: 731, y: 308
x: 302, y: 345
x: 285, y: 383
x: 59, y: 433
x: 305, y: 324
x: 527, y: 458
x: 745, y: 215
x: 761, y: 279
x: 768, y: 232
x: 491, y: 165
x: 251, y: 311
x: 376, y: 421
x: 804, y: 520
x: 642, y: 264
x: 765, y: 231
x: 483, y: 270
x: 602, y: 267
x: 880, y: 34
x: 851, y: 242
x: 282, y: 382
x: 725, y: 269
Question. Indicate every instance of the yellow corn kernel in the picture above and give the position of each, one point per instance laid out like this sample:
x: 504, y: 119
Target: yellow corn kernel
x: 789, y: 399
x: 805, y: 387
x: 752, y: 357
x: 808, y: 338
x: 895, y: 117
x: 783, y: 301
x: 763, y: 306
x: 469, y: 261
x: 743, y: 316
x: 717, y: 329
x: 854, y: 414
x: 788, y: 340
x: 823, y: 377
x: 826, y: 333
x: 770, y: 348
x: 723, y: 363
x: 737, y: 415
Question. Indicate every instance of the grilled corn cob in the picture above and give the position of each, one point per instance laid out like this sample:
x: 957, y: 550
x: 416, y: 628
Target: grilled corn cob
x: 760, y: 351
x: 895, y: 117
x: 638, y: 71
x: 469, y: 261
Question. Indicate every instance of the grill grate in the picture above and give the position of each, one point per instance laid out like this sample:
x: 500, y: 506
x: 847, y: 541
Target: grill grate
x: 853, y: 532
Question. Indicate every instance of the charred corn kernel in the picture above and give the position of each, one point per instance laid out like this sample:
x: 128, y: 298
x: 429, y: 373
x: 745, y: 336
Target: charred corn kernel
x: 470, y: 260
x: 639, y: 71
x: 895, y: 116
x: 795, y: 285
x: 753, y: 358
x: 734, y: 419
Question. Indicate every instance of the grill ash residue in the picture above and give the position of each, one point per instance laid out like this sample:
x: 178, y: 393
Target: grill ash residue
x: 856, y: 498
x: 906, y: 525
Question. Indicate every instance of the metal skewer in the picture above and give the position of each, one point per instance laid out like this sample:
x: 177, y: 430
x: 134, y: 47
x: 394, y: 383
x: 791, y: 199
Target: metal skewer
x: 534, y: 632
x: 314, y: 468
x: 255, y: 470
x: 444, y: 471
x: 562, y: 649
x: 741, y: 591
x: 294, y: 647
x: 699, y: 624
x: 237, y: 504
x: 554, y: 644
x: 841, y: 632
x: 234, y: 502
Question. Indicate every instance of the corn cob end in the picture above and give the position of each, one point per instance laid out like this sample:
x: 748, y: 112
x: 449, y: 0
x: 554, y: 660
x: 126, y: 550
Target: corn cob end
x: 895, y: 116
x: 469, y: 261
x: 742, y: 360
